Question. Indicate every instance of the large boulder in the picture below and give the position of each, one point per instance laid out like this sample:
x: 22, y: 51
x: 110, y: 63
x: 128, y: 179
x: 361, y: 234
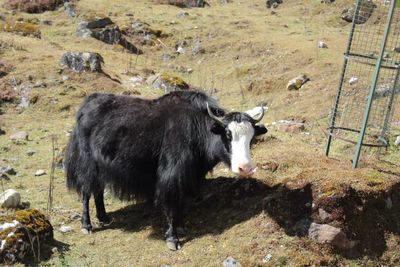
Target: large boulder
x: 103, y: 29
x: 22, y: 235
x: 10, y: 199
x: 80, y: 62
x: 36, y: 6
x: 326, y: 234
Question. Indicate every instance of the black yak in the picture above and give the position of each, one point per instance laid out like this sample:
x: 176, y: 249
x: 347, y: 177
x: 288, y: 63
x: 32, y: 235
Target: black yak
x: 158, y: 149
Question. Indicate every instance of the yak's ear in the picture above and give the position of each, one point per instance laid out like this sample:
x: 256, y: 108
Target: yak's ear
x: 259, y: 129
x: 256, y: 113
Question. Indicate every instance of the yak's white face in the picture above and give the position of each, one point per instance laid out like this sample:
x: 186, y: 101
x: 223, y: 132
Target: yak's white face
x: 242, y: 133
x: 238, y: 131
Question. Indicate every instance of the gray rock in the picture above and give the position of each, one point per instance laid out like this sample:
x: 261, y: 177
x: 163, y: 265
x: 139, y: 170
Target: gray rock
x: 140, y: 27
x: 267, y: 258
x: 180, y: 50
x: 10, y: 199
x: 47, y: 22
x: 297, y: 82
x: 99, y: 23
x: 231, y: 262
x: 30, y: 152
x: 7, y: 170
x: 326, y: 234
x: 40, y: 172
x: 19, y: 136
x: 65, y: 229
x: 322, y: 44
x: 98, y: 28
x: 197, y: 48
x: 189, y: 3
x: 105, y: 30
x: 83, y: 31
x: 24, y: 102
x: 397, y: 142
x: 74, y: 216
x: 80, y: 62
x: 324, y: 216
x: 110, y: 34
x: 70, y: 9
x: 147, y: 39
x: 182, y: 14
x: 273, y: 3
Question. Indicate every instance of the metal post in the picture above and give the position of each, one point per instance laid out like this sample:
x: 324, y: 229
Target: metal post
x: 373, y: 86
x: 346, y: 59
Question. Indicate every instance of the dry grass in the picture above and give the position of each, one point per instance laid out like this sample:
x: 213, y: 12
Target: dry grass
x: 244, y: 44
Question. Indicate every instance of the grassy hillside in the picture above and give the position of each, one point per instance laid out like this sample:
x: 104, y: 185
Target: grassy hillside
x: 250, y: 53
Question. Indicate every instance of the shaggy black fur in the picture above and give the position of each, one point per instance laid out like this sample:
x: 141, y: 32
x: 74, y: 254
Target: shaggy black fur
x: 157, y: 149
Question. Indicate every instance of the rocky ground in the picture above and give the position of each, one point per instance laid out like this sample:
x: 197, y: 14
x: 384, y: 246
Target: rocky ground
x: 299, y: 209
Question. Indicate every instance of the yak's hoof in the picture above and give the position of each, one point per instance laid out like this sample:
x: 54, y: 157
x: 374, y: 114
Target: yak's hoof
x: 173, y: 244
x: 87, y: 230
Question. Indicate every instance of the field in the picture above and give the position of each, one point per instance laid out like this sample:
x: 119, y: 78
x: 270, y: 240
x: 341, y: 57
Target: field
x: 250, y: 53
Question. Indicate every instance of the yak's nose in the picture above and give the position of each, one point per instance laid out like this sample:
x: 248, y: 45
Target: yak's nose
x: 245, y: 169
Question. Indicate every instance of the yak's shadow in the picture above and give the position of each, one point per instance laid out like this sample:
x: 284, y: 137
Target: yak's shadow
x: 224, y: 202
x: 47, y: 252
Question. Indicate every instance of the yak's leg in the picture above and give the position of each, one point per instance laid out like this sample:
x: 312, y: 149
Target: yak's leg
x: 86, y: 225
x: 173, y: 215
x: 100, y: 209
x: 180, y: 225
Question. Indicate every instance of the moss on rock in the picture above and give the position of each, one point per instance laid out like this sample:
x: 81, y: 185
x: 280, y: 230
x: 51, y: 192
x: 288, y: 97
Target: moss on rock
x: 22, y: 235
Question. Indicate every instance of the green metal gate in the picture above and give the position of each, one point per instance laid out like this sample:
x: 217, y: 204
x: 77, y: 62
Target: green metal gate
x: 369, y: 82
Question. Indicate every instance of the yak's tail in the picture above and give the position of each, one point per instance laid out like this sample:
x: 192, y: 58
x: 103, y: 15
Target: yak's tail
x: 71, y: 163
x: 80, y: 168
